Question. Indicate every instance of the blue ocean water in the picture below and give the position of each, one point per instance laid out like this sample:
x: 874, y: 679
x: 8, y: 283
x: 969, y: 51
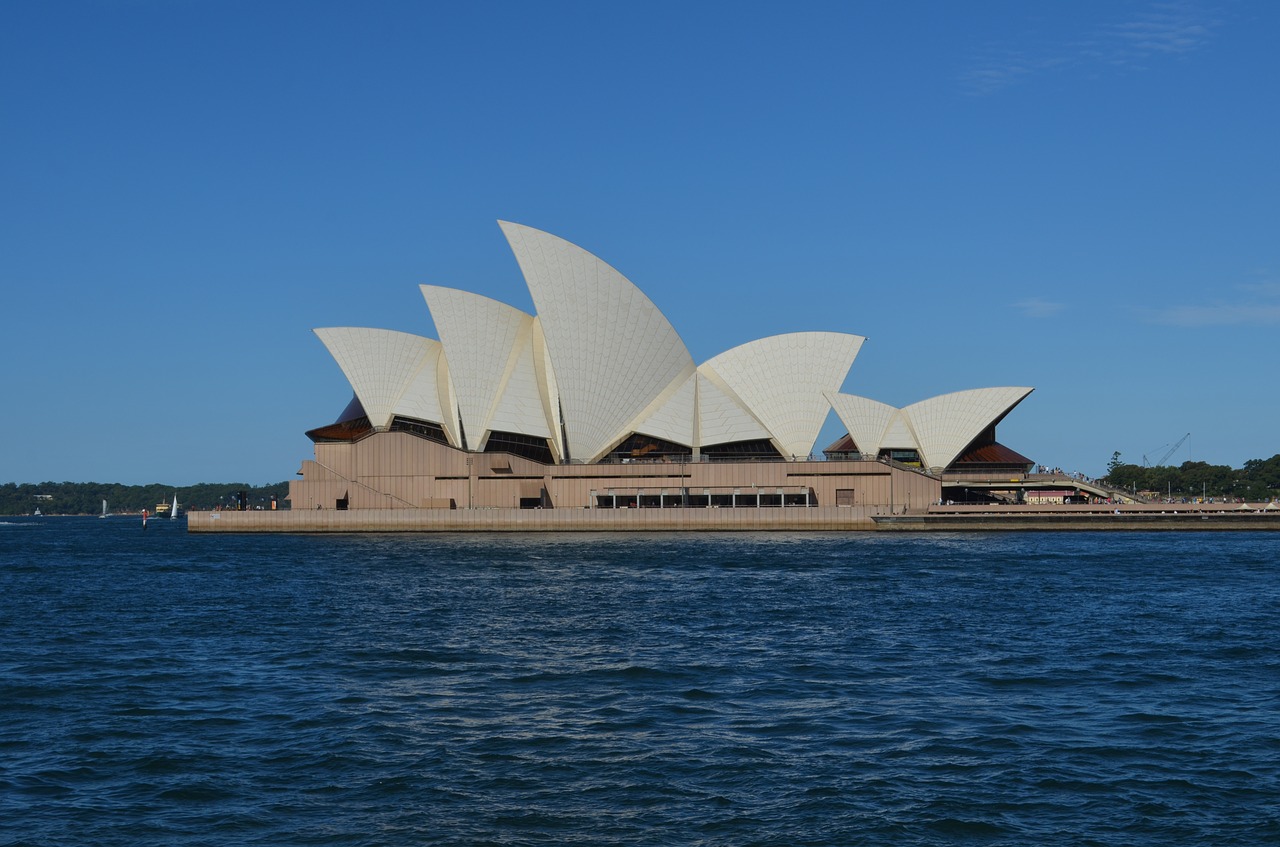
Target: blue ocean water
x: 160, y: 688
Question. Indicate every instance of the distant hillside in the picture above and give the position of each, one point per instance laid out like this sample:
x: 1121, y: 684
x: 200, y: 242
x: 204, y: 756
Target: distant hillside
x: 85, y: 498
x: 1257, y: 481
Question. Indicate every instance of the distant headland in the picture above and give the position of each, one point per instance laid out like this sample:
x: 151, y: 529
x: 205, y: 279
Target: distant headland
x: 86, y: 498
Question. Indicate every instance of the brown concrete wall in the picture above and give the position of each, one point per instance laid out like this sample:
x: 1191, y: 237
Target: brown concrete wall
x: 532, y: 520
x: 1040, y: 521
x: 827, y: 518
x: 398, y: 470
x: 1167, y: 509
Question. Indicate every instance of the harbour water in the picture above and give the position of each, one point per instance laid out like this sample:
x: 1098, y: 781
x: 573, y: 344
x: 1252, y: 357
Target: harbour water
x: 162, y: 688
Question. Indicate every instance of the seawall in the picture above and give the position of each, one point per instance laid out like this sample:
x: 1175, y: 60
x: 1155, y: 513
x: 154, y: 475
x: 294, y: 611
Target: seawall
x: 792, y: 519
x: 534, y: 520
x: 1135, y: 522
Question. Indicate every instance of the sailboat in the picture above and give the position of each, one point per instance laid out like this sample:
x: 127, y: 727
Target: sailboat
x: 105, y: 513
x: 173, y: 511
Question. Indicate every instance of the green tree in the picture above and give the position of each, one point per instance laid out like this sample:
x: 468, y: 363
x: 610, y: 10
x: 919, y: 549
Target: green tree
x: 85, y: 498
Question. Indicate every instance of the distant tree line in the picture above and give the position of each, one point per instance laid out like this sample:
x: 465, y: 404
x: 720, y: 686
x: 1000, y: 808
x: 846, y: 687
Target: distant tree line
x: 85, y: 498
x: 1257, y: 481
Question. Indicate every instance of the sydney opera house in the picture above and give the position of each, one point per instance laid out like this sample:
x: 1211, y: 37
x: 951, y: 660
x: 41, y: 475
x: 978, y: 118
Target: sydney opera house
x: 595, y: 403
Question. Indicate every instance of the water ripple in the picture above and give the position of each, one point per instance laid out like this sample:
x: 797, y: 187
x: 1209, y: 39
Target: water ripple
x: 815, y: 689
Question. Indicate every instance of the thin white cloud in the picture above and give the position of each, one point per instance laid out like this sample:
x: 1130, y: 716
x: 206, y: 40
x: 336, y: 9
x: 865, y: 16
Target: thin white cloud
x: 1165, y: 28
x: 1261, y: 289
x: 1037, y: 308
x: 1221, y: 315
x: 1160, y: 29
x: 1001, y: 69
x: 1258, y: 305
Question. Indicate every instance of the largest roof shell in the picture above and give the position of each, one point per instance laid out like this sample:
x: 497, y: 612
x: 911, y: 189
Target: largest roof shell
x: 614, y: 353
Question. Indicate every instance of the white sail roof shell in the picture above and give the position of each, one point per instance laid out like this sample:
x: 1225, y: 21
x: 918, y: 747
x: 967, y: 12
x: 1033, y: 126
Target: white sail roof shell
x: 782, y: 378
x: 939, y: 428
x: 945, y: 425
x: 702, y: 412
x: 612, y: 350
x: 428, y: 396
x: 866, y: 420
x: 392, y: 373
x: 898, y: 435
x: 600, y: 361
x: 546, y: 376
x: 489, y: 346
x: 673, y: 415
x: 722, y: 419
x: 521, y: 406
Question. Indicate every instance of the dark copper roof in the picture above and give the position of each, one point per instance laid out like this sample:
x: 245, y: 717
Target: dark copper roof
x: 843, y: 444
x: 993, y: 453
x: 348, y: 430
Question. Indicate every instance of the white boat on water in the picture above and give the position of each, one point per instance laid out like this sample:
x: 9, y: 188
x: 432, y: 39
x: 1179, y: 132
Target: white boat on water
x: 105, y: 513
x: 167, y: 509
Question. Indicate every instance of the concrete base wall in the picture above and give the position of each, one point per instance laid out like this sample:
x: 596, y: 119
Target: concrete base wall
x: 936, y: 519
x: 396, y: 470
x: 1134, y: 516
x: 533, y: 520
x: 1040, y: 522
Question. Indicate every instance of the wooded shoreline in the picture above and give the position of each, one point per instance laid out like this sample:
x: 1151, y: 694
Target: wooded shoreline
x: 85, y: 498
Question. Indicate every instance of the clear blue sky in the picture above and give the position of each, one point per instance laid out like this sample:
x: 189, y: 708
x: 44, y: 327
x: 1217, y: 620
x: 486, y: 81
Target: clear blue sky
x: 1076, y: 196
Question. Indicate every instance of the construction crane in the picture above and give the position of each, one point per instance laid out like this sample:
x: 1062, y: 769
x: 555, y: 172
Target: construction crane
x: 1160, y: 462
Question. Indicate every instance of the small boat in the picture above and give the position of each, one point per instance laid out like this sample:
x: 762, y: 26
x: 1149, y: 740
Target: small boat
x: 168, y: 510
x: 37, y: 513
x: 105, y: 513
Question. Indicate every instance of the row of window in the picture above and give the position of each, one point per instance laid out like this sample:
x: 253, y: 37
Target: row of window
x: 703, y: 501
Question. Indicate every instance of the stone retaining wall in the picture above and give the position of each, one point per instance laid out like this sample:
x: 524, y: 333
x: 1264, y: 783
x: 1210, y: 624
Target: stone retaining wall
x: 532, y: 520
x: 731, y: 520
